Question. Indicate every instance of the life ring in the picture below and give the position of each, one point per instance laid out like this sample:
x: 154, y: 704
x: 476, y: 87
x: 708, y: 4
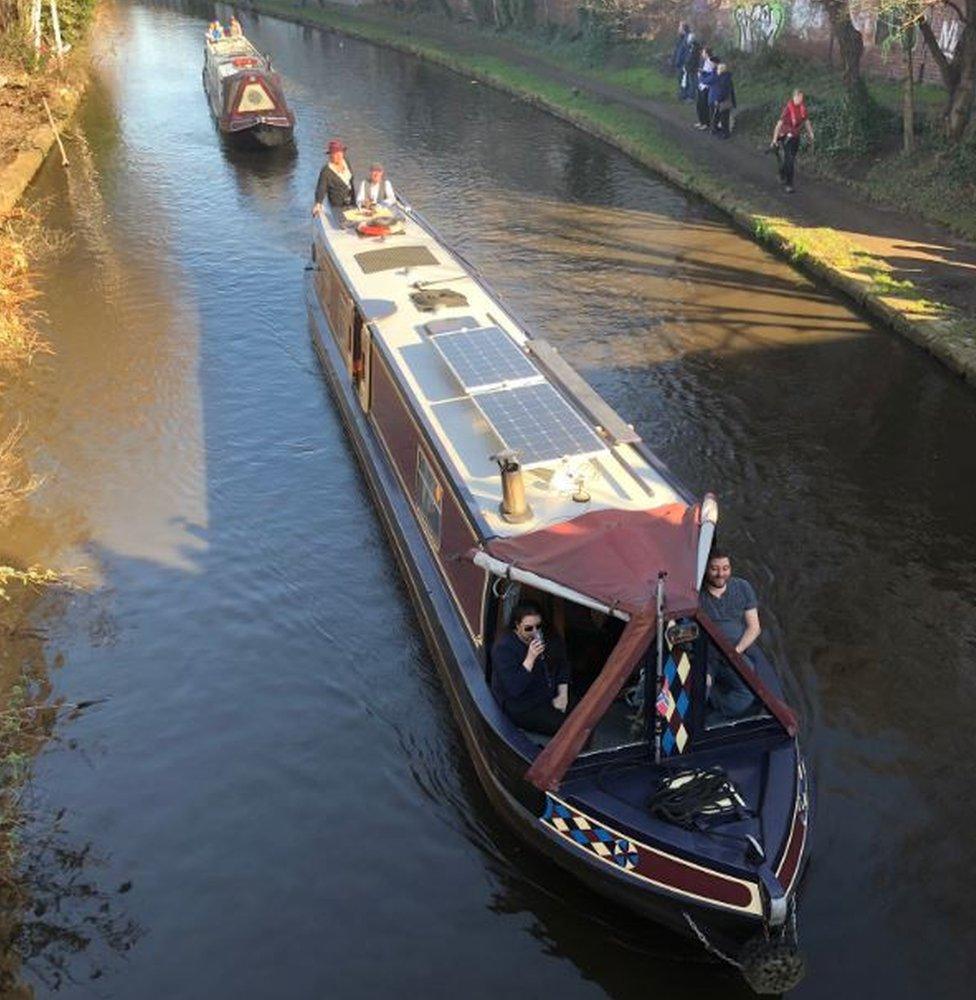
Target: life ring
x: 372, y: 229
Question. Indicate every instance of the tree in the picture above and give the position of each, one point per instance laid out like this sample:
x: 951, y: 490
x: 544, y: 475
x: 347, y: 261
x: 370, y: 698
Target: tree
x: 850, y: 45
x: 958, y: 71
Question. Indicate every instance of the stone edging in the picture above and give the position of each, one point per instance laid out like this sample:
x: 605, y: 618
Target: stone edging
x: 15, y: 176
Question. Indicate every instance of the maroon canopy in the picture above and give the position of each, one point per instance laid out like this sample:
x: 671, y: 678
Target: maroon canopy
x: 614, y: 556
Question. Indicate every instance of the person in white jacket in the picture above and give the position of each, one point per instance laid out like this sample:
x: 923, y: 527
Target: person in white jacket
x: 375, y: 191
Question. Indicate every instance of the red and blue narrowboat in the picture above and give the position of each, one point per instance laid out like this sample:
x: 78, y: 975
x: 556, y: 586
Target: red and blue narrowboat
x: 245, y: 94
x: 501, y: 476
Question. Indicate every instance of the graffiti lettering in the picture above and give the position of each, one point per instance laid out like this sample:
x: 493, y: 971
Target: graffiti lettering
x: 759, y: 25
x: 949, y: 37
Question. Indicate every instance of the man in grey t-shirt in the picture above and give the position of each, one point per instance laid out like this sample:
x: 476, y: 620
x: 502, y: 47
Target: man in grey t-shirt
x: 731, y: 603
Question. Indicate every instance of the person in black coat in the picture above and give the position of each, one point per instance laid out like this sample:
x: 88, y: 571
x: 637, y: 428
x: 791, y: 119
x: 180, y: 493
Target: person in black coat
x: 336, y: 183
x: 679, y: 55
x: 529, y: 674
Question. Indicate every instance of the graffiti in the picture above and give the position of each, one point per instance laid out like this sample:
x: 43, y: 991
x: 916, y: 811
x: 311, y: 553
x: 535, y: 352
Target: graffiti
x: 949, y: 37
x: 759, y: 25
x: 807, y: 19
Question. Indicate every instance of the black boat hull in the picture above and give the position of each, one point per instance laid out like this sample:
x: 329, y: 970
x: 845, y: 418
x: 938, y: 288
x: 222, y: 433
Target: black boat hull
x: 261, y: 136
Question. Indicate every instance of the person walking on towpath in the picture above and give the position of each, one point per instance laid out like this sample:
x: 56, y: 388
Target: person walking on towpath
x: 721, y: 97
x: 689, y: 88
x: 786, y: 137
x: 702, y: 106
x: 679, y: 56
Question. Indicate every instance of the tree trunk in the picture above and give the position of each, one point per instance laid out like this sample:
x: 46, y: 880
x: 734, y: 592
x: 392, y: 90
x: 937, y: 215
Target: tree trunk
x: 958, y: 72
x: 850, y: 45
x: 908, y: 104
x: 961, y: 102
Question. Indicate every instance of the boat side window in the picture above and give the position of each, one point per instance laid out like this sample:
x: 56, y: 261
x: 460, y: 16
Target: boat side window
x: 336, y: 303
x: 429, y: 493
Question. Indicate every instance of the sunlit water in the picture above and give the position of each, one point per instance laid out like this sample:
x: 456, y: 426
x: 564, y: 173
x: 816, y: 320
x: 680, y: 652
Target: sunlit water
x: 275, y: 769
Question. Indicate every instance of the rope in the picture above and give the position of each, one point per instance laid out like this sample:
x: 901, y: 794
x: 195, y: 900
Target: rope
x: 703, y: 793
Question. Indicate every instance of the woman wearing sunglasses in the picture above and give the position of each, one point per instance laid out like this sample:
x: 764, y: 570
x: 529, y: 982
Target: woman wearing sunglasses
x: 530, y: 674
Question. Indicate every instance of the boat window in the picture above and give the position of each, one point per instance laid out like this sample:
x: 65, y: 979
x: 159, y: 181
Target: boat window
x: 429, y: 495
x: 373, y: 261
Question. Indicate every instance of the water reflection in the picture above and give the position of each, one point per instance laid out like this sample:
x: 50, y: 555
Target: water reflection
x: 61, y: 923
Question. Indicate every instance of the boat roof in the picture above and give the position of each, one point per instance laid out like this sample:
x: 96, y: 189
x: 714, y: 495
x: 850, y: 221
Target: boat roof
x: 225, y: 50
x: 482, y: 385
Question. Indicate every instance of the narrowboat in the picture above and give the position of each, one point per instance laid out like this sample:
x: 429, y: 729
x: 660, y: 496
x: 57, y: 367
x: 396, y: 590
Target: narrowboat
x: 500, y: 476
x: 245, y: 93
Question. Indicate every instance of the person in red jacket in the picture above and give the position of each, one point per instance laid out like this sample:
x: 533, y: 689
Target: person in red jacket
x: 786, y: 137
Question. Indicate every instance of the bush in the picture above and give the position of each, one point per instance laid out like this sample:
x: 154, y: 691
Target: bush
x: 852, y: 126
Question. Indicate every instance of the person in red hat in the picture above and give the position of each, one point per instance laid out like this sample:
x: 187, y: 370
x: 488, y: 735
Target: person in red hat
x: 335, y: 182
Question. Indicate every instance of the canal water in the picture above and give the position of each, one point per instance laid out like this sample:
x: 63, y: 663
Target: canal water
x: 272, y: 799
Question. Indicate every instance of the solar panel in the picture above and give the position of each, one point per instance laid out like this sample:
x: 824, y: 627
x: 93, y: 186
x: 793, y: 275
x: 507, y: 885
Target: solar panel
x: 484, y: 358
x: 537, y: 423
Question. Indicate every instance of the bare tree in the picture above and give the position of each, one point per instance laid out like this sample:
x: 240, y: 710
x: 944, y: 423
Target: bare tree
x: 958, y: 70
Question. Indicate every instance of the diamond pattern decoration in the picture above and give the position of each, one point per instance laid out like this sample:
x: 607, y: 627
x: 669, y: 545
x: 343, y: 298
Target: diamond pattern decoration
x: 677, y: 671
x: 589, y: 835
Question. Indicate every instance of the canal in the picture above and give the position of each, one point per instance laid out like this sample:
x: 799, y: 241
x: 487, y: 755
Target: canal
x: 272, y: 799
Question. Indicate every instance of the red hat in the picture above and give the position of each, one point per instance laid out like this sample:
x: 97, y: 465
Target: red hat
x: 337, y: 146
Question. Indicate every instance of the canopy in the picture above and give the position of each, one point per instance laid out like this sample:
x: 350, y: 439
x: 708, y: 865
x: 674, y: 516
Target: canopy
x: 614, y: 556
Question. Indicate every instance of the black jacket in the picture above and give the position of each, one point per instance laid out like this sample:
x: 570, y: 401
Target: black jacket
x: 519, y: 690
x: 334, y: 190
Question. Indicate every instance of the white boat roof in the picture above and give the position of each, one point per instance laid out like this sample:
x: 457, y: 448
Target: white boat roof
x: 224, y: 50
x: 458, y: 389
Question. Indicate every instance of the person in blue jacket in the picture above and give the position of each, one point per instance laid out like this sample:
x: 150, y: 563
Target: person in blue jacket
x: 530, y: 673
x: 721, y: 98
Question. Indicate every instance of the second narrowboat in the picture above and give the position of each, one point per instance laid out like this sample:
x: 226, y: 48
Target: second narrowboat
x: 245, y: 93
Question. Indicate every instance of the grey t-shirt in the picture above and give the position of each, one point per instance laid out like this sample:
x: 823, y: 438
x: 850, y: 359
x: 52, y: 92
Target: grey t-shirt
x: 728, y: 611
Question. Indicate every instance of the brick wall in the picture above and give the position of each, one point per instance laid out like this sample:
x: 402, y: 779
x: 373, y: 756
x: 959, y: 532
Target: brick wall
x: 799, y: 26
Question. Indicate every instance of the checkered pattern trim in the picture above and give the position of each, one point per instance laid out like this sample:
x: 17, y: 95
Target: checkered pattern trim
x: 590, y: 836
x: 677, y: 671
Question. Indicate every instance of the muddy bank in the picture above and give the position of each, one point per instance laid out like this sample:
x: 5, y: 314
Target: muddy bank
x: 26, y: 136
x: 919, y: 281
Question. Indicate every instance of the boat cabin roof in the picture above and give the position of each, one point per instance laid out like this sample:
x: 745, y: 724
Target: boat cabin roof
x: 483, y: 386
x: 228, y: 54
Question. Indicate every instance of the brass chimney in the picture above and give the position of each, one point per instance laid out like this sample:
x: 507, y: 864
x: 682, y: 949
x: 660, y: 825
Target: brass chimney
x: 513, y: 507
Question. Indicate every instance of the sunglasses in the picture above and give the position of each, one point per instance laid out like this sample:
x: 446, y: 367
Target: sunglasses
x: 531, y: 628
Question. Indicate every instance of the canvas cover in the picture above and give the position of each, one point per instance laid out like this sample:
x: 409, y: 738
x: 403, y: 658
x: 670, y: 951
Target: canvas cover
x: 614, y: 556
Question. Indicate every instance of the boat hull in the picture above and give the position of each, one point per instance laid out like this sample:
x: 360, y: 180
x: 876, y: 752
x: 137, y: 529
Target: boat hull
x: 498, y: 760
x: 260, y: 135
